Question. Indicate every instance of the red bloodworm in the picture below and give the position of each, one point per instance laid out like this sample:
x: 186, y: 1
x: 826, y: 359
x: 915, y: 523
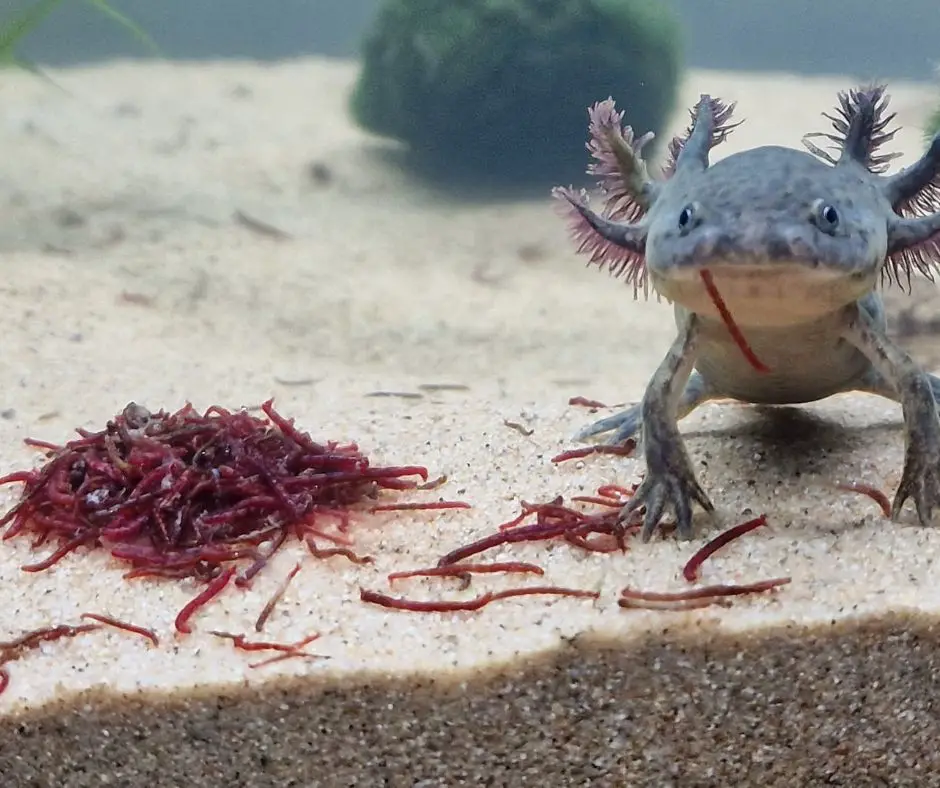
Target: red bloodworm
x: 318, y: 533
x: 57, y: 491
x: 282, y: 657
x: 176, y: 573
x: 127, y: 530
x: 597, y: 500
x: 477, y: 603
x: 57, y: 556
x: 694, y: 597
x: 673, y: 604
x: 295, y: 652
x: 586, y: 403
x: 389, y: 475
x: 595, y: 545
x: 511, y: 524
x: 577, y: 454
x: 25, y: 477
x: 11, y: 649
x: 261, y: 561
x: 457, y: 570
x: 872, y: 492
x: 690, y: 570
x: 416, y: 507
x: 212, y: 590
x: 242, y: 643
x: 287, y: 426
x: 35, y: 443
x: 732, y: 327
x: 574, y: 454
x: 118, y: 624
x: 269, y: 606
x: 615, y: 491
x: 554, y: 520
x: 526, y: 533
x: 4, y: 679
x: 345, y: 552
x: 307, y: 640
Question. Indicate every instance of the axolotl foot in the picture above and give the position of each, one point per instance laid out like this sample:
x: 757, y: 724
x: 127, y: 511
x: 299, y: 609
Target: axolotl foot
x: 670, y: 481
x: 920, y: 480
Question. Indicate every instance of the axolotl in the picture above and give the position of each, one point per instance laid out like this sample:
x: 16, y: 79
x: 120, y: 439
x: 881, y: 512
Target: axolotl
x: 794, y: 244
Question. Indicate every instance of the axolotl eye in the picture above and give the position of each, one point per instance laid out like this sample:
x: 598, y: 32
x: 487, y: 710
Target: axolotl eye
x: 687, y: 218
x: 825, y: 216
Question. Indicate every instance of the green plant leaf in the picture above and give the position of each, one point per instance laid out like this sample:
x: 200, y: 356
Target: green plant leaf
x: 12, y: 30
x: 126, y: 22
x: 27, y: 20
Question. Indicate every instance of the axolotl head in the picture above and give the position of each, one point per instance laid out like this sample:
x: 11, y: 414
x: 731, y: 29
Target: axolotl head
x: 786, y: 236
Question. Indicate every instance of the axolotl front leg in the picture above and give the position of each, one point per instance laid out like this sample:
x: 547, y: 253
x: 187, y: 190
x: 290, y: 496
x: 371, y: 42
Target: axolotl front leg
x: 670, y: 479
x: 915, y: 390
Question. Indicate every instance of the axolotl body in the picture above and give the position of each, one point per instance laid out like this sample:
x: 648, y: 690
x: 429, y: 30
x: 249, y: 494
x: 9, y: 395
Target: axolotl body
x: 796, y: 244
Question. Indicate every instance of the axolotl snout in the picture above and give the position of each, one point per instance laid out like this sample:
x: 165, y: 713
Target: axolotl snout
x: 795, y: 243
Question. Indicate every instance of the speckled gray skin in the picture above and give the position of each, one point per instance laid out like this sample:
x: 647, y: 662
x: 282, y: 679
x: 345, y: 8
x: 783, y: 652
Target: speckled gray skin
x: 796, y: 244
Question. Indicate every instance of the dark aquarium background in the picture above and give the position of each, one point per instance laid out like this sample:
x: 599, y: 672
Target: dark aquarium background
x: 868, y: 38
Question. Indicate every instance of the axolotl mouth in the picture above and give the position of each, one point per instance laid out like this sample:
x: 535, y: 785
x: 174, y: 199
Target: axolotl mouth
x: 764, y: 293
x: 769, y: 272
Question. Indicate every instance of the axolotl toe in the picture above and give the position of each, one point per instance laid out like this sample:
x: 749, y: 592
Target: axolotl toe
x: 795, y: 244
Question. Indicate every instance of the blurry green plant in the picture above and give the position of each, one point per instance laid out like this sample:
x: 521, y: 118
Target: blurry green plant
x: 18, y: 24
x: 501, y: 88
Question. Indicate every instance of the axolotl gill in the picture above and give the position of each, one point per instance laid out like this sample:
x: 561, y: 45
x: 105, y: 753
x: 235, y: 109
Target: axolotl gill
x: 796, y: 244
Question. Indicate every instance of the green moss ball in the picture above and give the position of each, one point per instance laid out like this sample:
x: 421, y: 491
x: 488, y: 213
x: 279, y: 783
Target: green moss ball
x: 500, y: 88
